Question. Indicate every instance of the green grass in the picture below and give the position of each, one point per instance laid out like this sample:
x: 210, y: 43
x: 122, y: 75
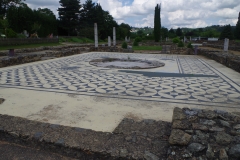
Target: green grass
x: 237, y: 40
x: 76, y: 40
x: 148, y: 48
x: 28, y: 46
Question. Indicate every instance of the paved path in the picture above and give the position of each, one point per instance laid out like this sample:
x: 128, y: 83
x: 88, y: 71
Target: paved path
x: 69, y: 91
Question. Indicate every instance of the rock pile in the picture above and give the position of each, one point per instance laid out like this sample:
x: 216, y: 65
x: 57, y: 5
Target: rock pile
x: 204, y: 134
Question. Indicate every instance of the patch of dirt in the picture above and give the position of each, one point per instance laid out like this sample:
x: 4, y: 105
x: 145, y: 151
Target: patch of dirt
x: 49, y: 112
x: 135, y: 117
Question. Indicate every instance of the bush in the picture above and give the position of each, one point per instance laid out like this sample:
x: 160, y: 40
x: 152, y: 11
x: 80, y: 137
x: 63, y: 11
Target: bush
x: 189, y: 45
x: 176, y: 40
x: 124, y: 45
x: 138, y: 39
x: 11, y: 34
x: 135, y: 43
x: 180, y: 44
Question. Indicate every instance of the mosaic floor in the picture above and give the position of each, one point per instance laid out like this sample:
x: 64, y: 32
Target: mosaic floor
x: 184, y: 79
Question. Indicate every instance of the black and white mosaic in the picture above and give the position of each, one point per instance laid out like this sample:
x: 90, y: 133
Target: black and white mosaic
x: 196, y: 81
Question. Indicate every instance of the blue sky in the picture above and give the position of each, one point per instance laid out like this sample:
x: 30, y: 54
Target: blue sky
x: 175, y: 13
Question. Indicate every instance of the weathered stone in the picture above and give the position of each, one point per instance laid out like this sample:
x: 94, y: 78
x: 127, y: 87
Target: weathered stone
x: 177, y: 124
x: 225, y: 123
x: 179, y: 137
x: 216, y: 129
x: 207, y: 114
x: 209, y: 152
x: 123, y: 152
x: 201, y: 135
x: 187, y: 154
x: 207, y: 122
x: 178, y: 114
x: 129, y: 138
x: 189, y: 131
x: 235, y: 133
x: 223, y: 154
x: 149, y: 156
x: 234, y: 151
x: 199, y: 127
x: 190, y: 112
x: 195, y: 147
x: 223, y: 138
x: 237, y: 127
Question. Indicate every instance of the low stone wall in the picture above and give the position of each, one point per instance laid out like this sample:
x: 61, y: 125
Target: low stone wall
x: 204, y: 134
x: 229, y: 60
x: 110, y: 49
x: 21, y: 41
x: 130, y: 140
x: 27, y: 58
x: 57, y: 48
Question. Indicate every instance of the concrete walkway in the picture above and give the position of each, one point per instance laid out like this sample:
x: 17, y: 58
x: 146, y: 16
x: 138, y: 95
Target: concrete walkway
x: 69, y: 91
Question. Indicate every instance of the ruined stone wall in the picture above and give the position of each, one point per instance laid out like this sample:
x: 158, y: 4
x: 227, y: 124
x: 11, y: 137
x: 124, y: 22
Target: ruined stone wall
x: 204, y: 134
x: 21, y: 41
x: 110, y: 49
x: 27, y: 58
x: 229, y: 60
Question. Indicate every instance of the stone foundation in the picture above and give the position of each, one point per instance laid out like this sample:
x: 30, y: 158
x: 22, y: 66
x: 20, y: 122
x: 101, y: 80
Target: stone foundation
x: 204, y: 134
x: 110, y: 49
x: 229, y: 60
x: 28, y: 58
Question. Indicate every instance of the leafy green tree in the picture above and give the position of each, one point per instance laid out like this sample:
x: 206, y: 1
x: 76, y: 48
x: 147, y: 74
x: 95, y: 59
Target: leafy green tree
x: 124, y: 45
x: 176, y: 40
x: 36, y: 26
x: 164, y: 32
x: 180, y: 44
x: 171, y: 33
x: 123, y: 30
x: 227, y: 32
x: 157, y: 23
x: 69, y: 15
x: 237, y: 29
x: 5, y: 25
x: 179, y: 32
x: 5, y: 4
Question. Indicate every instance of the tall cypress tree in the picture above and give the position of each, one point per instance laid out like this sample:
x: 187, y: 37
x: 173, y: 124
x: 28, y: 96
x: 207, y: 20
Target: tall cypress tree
x: 157, y: 23
x: 237, y: 30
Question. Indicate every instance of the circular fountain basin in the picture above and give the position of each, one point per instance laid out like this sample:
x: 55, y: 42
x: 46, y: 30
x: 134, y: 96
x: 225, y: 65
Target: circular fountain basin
x: 126, y: 63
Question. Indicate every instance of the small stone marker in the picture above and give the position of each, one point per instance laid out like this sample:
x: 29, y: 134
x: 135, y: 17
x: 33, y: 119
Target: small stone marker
x: 226, y: 43
x: 95, y: 35
x: 126, y: 39
x: 109, y: 41
x: 129, y: 39
x: 114, y: 36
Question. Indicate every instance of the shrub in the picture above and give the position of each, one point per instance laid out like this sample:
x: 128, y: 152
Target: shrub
x: 124, y: 45
x: 189, y: 45
x: 138, y: 39
x: 176, y: 40
x: 135, y: 43
x: 11, y: 34
x: 180, y: 44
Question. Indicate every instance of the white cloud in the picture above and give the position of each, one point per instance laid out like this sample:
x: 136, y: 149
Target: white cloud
x: 175, y: 13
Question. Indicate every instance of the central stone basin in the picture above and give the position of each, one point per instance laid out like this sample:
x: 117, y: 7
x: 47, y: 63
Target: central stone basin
x: 126, y: 63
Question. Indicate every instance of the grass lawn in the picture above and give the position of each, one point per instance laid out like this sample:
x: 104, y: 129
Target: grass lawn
x: 28, y: 46
x: 148, y: 48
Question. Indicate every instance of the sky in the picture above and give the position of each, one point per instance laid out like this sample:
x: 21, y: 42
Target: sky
x: 174, y: 13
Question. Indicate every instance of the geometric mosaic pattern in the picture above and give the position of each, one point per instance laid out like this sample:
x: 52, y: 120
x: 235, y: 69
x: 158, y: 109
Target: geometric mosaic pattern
x: 75, y: 75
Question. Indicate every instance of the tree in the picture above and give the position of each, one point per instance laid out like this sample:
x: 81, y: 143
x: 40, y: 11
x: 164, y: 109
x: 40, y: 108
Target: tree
x: 69, y: 15
x: 227, y: 32
x: 237, y: 29
x: 4, y: 23
x: 5, y: 4
x: 179, y: 32
x: 164, y: 32
x: 157, y: 23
